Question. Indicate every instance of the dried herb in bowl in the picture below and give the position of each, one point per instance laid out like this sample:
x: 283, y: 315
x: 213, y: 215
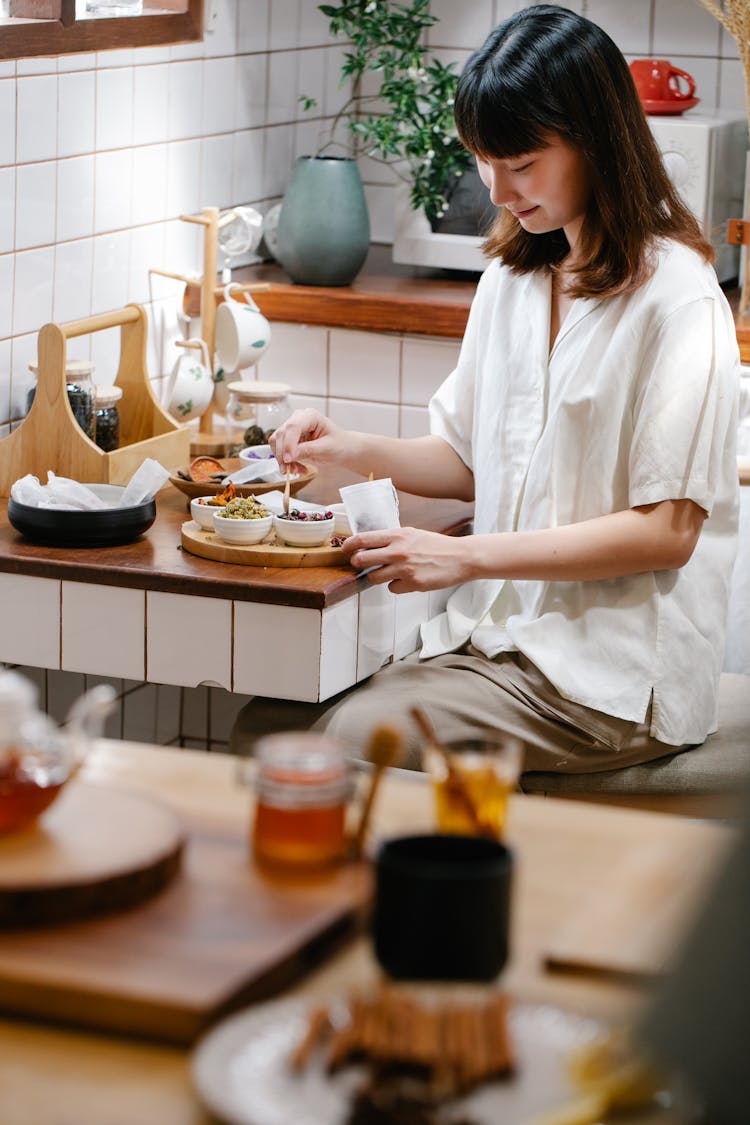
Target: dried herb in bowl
x: 307, y: 517
x: 244, y: 508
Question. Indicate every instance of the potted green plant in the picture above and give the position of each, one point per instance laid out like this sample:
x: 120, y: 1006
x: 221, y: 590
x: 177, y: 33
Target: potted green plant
x: 399, y: 111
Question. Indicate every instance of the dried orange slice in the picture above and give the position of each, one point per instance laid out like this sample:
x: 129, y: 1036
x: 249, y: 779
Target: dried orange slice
x: 204, y: 468
x: 222, y: 498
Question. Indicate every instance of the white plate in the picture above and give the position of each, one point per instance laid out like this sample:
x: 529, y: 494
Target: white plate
x: 242, y: 1074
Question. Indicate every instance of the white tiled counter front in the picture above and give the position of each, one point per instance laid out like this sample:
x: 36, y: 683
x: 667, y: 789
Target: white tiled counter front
x: 30, y: 613
x: 254, y: 648
x: 150, y: 612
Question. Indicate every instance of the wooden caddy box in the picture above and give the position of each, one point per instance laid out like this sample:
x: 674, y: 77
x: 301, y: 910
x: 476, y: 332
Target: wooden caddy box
x: 50, y: 438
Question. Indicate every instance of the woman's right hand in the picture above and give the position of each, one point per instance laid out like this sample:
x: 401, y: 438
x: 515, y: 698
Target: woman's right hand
x: 307, y: 435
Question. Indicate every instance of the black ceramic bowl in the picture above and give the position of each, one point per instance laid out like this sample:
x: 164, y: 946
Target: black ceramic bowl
x: 105, y: 527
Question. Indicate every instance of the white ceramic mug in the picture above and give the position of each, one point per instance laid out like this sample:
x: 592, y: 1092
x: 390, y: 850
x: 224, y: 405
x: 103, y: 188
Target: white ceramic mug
x: 190, y: 387
x: 242, y: 332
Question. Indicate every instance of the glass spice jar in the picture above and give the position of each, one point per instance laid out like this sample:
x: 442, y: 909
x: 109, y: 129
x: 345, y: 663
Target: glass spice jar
x: 254, y: 411
x: 302, y: 789
x: 107, y: 417
x: 80, y: 391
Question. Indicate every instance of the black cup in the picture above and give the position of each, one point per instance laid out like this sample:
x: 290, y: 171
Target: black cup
x: 442, y: 907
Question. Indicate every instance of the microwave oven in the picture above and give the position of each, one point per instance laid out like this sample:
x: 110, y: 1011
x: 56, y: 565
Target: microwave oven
x: 705, y: 157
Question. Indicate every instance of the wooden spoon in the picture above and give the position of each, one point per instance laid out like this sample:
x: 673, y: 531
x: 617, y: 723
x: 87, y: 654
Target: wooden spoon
x: 454, y: 782
x: 385, y: 747
x: 287, y: 490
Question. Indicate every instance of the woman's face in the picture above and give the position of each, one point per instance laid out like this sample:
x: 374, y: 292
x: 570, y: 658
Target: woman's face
x: 545, y: 190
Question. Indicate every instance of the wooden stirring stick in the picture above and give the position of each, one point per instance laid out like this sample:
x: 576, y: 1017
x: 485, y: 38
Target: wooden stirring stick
x: 454, y: 781
x: 386, y: 744
x: 287, y: 490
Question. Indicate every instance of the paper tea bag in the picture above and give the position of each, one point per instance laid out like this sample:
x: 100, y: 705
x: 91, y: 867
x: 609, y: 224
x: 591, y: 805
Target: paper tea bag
x: 144, y: 484
x: 58, y: 492
x: 371, y: 505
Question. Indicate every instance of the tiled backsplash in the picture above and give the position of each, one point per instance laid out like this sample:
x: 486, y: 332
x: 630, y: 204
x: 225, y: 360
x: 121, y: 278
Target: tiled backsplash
x: 109, y: 149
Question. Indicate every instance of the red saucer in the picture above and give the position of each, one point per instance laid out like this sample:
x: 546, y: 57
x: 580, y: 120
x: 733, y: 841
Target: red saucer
x: 670, y: 107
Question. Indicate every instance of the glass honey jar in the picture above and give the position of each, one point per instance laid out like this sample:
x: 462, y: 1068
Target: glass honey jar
x: 302, y: 788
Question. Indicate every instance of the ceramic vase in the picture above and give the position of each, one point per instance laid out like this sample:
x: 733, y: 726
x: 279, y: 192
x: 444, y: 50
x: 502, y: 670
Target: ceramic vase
x: 324, y: 229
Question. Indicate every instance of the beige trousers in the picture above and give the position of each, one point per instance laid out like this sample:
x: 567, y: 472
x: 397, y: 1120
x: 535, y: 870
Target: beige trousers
x: 465, y: 695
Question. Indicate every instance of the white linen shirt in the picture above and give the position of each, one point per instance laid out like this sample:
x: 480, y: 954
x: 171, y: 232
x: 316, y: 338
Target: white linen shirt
x: 636, y: 403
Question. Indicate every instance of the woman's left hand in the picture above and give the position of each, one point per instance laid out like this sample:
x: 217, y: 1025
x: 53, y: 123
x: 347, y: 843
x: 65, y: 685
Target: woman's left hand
x: 409, y: 559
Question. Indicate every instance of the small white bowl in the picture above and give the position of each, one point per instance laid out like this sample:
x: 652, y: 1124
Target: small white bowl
x: 255, y: 453
x: 242, y: 531
x: 203, y: 514
x: 303, y: 533
x: 341, y: 524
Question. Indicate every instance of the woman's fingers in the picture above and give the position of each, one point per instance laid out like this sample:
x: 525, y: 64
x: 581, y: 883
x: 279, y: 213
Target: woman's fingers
x: 301, y: 437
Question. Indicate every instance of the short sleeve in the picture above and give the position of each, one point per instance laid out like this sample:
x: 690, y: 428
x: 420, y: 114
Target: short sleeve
x: 684, y: 407
x: 451, y: 408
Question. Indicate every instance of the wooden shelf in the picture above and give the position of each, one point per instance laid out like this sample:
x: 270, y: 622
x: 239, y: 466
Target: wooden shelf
x: 384, y: 297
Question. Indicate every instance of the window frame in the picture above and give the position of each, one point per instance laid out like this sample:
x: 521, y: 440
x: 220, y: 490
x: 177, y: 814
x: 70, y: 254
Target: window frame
x: 59, y: 33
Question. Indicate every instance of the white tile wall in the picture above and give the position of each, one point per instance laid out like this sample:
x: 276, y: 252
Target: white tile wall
x: 364, y: 366
x: 35, y: 205
x: 298, y: 356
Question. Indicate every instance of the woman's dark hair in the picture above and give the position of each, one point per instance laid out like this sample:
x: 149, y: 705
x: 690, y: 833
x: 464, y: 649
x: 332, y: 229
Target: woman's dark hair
x: 547, y: 71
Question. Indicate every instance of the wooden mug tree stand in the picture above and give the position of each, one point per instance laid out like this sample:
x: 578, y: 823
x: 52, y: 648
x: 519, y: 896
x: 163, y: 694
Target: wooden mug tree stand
x: 50, y: 438
x: 205, y: 441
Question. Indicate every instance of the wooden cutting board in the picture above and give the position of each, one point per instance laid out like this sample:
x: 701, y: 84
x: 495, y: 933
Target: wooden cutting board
x: 208, y: 545
x: 94, y: 850
x: 631, y: 934
x: 220, y: 935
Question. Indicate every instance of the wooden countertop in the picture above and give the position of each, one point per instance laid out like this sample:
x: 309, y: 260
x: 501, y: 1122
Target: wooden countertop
x: 156, y: 561
x: 566, y: 853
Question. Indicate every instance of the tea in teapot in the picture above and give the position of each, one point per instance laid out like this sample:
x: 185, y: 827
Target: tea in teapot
x: 36, y: 757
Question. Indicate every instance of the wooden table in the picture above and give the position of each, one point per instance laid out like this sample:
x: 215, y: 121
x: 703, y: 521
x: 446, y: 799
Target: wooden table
x: 56, y: 1076
x: 151, y: 611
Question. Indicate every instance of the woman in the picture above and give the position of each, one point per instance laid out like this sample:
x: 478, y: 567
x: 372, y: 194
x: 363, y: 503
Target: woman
x: 591, y: 417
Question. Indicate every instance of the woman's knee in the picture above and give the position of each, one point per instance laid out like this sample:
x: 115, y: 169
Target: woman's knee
x: 355, y: 719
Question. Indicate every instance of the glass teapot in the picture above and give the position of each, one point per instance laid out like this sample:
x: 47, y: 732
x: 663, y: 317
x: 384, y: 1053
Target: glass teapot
x: 37, y: 757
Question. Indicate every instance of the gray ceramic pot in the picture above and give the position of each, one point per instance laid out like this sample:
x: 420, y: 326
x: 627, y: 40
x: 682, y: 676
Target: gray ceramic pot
x: 324, y: 229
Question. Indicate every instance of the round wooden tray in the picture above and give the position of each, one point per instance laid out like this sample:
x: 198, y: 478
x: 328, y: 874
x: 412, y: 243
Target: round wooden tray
x: 193, y: 488
x: 96, y: 850
x: 268, y: 553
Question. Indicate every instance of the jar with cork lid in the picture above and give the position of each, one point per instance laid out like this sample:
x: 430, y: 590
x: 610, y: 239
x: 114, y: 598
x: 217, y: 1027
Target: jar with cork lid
x: 80, y: 391
x: 107, y: 417
x: 254, y: 410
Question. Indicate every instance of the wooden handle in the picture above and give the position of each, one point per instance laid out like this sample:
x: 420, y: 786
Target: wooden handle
x: 114, y: 319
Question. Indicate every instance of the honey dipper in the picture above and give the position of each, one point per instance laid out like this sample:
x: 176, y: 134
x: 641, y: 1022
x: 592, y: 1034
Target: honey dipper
x: 454, y: 781
x: 386, y: 744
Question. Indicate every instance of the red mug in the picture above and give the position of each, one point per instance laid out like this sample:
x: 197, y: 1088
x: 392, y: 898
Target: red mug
x: 658, y: 81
